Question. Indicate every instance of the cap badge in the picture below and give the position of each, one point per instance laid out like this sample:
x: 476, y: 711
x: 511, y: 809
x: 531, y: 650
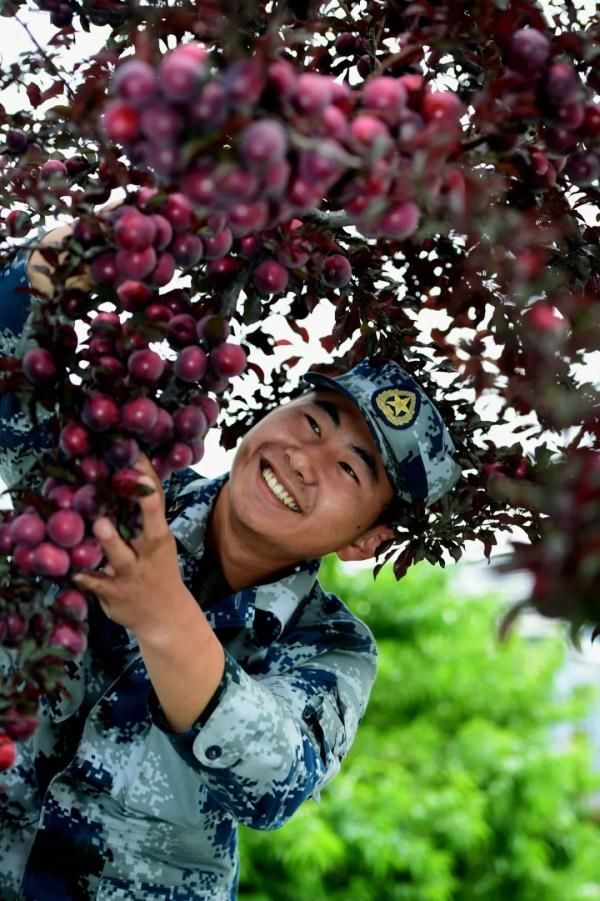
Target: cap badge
x: 398, y: 406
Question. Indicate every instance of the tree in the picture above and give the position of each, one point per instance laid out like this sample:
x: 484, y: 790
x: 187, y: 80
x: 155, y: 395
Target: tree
x: 453, y: 788
x: 387, y: 157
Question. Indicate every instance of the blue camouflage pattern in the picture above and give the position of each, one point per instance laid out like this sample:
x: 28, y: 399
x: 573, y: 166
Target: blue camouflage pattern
x: 106, y: 801
x: 415, y: 445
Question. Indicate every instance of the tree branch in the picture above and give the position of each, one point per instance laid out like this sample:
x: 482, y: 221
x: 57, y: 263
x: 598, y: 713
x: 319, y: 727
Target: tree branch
x: 52, y: 69
x: 330, y: 220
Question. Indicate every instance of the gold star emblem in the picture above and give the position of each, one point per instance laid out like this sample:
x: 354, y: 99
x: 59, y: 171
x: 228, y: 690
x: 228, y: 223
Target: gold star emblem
x: 398, y: 407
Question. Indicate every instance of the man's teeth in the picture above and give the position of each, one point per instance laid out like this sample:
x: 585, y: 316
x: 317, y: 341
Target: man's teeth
x: 278, y: 490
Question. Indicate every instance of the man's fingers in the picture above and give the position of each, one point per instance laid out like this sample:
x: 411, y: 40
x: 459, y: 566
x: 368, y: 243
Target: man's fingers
x: 118, y: 553
x: 154, y: 523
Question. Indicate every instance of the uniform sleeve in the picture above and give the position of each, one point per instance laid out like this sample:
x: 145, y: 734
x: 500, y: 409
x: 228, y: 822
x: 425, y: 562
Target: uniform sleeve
x: 265, y: 744
x: 20, y: 442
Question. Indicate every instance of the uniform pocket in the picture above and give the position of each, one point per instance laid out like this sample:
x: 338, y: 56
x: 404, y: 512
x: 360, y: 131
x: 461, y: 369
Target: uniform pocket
x: 163, y: 787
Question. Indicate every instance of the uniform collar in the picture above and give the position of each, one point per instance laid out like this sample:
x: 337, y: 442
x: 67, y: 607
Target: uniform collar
x: 264, y: 609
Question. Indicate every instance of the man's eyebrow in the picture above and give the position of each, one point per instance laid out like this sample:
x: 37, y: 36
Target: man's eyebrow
x: 334, y: 414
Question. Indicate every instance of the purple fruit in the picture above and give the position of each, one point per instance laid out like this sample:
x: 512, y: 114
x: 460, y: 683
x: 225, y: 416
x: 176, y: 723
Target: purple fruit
x: 135, y: 81
x: 263, y: 143
x: 87, y: 554
x: 66, y: 528
x: 337, y: 271
x: 228, y: 360
x: 270, y: 277
x: 50, y: 560
x: 191, y: 364
x: 39, y: 366
x: 190, y: 422
x: 139, y: 415
x: 27, y: 528
x: 74, y: 440
x: 182, y: 330
x: 69, y: 637
x: 145, y: 366
x: 100, y: 413
x: 71, y: 604
x: 528, y: 51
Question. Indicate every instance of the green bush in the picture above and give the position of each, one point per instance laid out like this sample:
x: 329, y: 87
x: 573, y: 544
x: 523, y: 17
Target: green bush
x: 453, y: 788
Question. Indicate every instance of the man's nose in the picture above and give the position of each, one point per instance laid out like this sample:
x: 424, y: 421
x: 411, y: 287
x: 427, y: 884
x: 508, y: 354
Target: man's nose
x: 303, y: 462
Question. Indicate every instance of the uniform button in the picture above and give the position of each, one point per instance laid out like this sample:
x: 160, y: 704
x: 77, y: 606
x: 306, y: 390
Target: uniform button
x: 213, y: 752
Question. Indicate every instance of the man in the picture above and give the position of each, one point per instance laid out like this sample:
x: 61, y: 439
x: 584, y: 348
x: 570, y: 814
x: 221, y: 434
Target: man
x: 222, y: 685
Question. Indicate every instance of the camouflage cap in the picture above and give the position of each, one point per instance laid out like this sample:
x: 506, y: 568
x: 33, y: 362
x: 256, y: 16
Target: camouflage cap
x: 415, y: 445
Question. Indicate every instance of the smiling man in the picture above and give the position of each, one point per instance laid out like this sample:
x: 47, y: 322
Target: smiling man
x: 221, y: 685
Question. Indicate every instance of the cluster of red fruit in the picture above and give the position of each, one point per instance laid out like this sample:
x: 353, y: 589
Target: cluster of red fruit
x: 98, y: 12
x: 295, y: 139
x: 553, y: 93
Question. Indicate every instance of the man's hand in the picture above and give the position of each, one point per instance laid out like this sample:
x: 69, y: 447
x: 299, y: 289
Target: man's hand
x: 138, y: 587
x: 141, y: 588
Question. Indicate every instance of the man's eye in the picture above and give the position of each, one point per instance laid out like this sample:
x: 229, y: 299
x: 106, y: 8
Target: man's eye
x: 347, y: 468
x: 313, y: 424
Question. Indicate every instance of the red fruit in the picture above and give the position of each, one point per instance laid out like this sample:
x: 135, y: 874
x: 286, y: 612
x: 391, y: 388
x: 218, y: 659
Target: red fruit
x: 164, y: 232
x: 400, y: 221
x: 104, y: 268
x: 560, y: 139
x: 321, y: 168
x: 18, y: 223
x: 209, y: 407
x: 69, y: 637
x: 120, y: 122
x: 591, y: 120
x: 125, y: 480
x: 218, y: 245
x: 179, y: 212
x: 158, y: 312
x: 134, y: 295
x: 16, y: 628
x: 71, y: 604
x: 108, y: 371
x: 337, y: 271
x: 135, y: 264
x: 190, y: 422
x: 250, y: 245
x: 134, y: 231
x: 228, y: 360
x: 162, y: 430
x: 528, y: 51
x: 39, y: 366
x: 270, y: 277
x: 180, y: 74
x: 87, y: 232
x: 17, y: 725
x: 248, y: 217
x: 23, y: 557
x: 92, y: 469
x: 583, y: 167
x: 66, y: 528
x: 570, y: 115
x: 182, y: 330
x: 8, y: 752
x: 53, y: 169
x: 28, y: 529
x: 276, y: 178
x: 123, y: 451
x: 139, y: 415
x: 312, y: 92
x: 161, y: 467
x: 335, y: 122
x: 62, y: 495
x: 76, y: 165
x: 135, y: 81
x: 244, y: 82
x: 191, y: 364
x: 50, y: 560
x: 6, y: 542
x: 209, y: 107
x: 263, y: 143
x: 84, y: 501
x: 179, y: 456
x: 282, y: 77
x: 561, y: 84
x: 212, y: 329
x: 234, y: 184
x: 105, y: 323
x: 187, y: 249
x: 164, y: 270
x: 384, y: 94
x: 442, y: 106
x: 177, y: 300
x: 145, y: 366
x: 541, y: 316
x: 197, y: 448
x: 100, y: 413
x: 16, y: 140
x: 345, y: 43
x: 366, y: 129
x: 86, y: 555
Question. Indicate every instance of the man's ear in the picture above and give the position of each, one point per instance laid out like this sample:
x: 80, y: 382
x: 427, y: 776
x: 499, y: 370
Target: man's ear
x: 364, y: 547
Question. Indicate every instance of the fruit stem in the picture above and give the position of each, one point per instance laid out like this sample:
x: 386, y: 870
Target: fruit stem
x: 52, y: 69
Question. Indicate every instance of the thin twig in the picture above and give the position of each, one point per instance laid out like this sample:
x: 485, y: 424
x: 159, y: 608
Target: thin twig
x: 52, y: 69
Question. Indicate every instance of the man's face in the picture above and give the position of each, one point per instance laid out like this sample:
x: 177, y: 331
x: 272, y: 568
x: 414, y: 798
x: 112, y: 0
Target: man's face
x: 308, y: 479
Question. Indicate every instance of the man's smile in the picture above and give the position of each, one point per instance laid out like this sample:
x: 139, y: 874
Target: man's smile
x: 277, y: 489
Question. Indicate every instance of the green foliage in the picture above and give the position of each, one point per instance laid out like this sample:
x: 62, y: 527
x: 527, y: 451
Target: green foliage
x: 453, y: 788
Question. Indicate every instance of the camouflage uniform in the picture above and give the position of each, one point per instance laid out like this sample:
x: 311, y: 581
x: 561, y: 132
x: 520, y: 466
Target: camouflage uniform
x: 106, y: 801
